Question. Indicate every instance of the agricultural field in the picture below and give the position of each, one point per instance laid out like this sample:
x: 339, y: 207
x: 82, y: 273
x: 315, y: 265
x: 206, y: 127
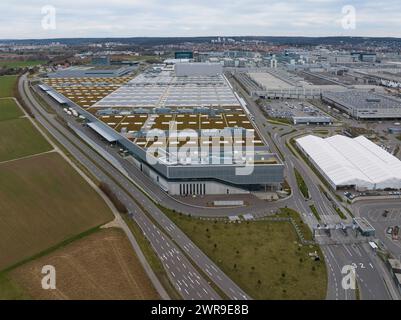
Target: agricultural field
x: 44, y: 202
x: 9, y: 110
x: 10, y: 290
x: 101, y: 265
x: 19, y: 138
x: 49, y: 214
x: 7, y: 84
x: 265, y: 258
x: 20, y: 64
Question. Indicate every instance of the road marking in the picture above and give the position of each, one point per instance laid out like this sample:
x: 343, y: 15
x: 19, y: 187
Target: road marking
x: 346, y: 249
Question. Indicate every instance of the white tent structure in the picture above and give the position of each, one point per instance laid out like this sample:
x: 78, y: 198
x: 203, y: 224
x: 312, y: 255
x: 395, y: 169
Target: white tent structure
x: 347, y: 162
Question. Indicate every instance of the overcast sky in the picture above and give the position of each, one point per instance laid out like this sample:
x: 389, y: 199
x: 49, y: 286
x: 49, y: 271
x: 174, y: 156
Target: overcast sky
x: 21, y: 19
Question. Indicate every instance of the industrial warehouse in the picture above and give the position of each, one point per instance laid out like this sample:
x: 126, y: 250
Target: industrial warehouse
x: 182, y: 126
x: 364, y: 105
x: 92, y: 71
x: 354, y: 163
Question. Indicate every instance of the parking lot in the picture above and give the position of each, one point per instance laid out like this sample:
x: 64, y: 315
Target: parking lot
x: 292, y: 109
x: 351, y: 195
x: 384, y: 218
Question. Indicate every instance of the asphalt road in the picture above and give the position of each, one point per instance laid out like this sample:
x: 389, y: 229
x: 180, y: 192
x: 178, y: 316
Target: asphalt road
x: 373, y: 212
x: 368, y: 268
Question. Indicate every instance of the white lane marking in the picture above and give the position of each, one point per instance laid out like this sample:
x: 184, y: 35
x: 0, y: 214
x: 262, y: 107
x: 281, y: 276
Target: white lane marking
x: 346, y: 249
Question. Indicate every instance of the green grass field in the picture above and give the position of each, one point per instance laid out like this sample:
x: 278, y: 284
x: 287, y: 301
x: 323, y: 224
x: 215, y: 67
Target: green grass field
x: 20, y: 64
x: 9, y: 290
x: 7, y: 84
x: 315, y: 212
x: 44, y: 202
x: 19, y: 138
x: 9, y: 110
x: 264, y: 258
x: 301, y: 184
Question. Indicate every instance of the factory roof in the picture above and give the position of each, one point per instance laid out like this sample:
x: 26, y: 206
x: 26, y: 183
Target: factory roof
x: 96, y: 126
x: 56, y: 96
x: 164, y: 89
x: 363, y: 224
x: 360, y: 162
x: 355, y: 99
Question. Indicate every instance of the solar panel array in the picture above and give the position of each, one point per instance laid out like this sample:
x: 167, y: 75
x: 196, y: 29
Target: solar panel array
x: 85, y: 91
x: 354, y: 99
x: 165, y: 90
x: 115, y: 101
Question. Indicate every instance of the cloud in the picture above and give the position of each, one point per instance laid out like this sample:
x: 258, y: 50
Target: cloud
x: 126, y: 18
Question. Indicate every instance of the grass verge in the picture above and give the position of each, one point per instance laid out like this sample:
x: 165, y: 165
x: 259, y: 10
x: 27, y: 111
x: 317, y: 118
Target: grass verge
x: 265, y: 258
x: 301, y: 184
x: 340, y: 213
x: 279, y: 121
x: 315, y: 213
